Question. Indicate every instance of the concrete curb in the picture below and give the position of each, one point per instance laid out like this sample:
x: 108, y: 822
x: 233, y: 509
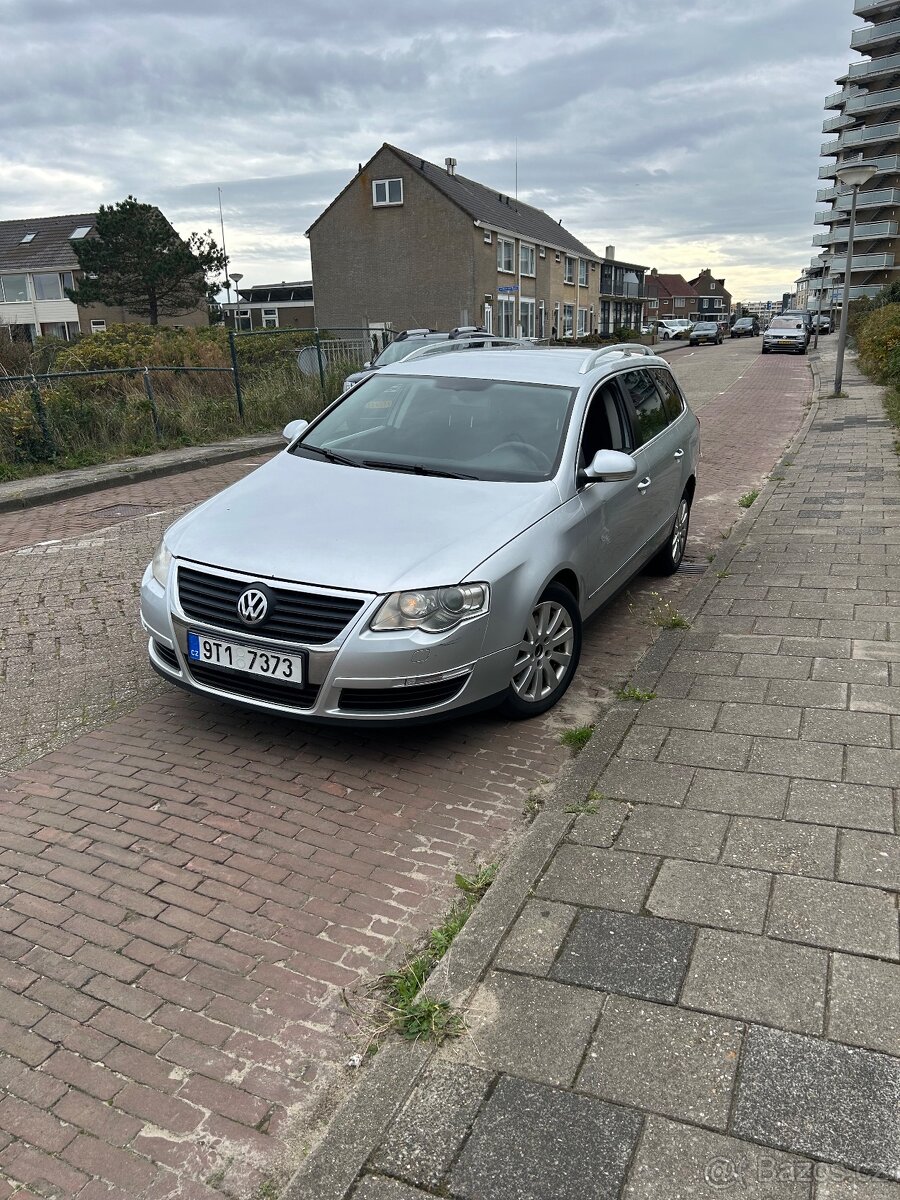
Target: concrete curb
x: 46, y: 489
x: 361, y: 1122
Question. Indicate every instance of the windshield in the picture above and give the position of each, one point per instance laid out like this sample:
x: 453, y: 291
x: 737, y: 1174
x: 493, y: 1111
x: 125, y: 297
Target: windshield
x: 395, y: 351
x: 704, y: 325
x: 477, y: 428
x: 785, y: 323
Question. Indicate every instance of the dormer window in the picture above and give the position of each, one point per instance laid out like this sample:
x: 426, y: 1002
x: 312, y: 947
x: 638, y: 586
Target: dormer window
x: 386, y: 192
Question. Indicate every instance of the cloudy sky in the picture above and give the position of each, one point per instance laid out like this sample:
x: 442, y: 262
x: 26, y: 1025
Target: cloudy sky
x: 684, y: 132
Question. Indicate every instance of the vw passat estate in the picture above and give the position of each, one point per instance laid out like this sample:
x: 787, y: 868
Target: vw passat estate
x: 433, y: 541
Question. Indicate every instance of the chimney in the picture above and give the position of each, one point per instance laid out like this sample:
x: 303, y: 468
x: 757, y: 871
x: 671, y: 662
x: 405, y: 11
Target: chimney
x: 610, y: 252
x: 653, y: 271
x: 450, y: 164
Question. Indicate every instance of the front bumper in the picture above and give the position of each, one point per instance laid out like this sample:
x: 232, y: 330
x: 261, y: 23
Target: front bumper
x: 359, y: 676
x: 796, y: 345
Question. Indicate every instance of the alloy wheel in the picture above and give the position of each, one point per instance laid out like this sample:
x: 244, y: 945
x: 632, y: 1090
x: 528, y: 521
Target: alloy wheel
x: 545, y: 652
x: 679, y: 532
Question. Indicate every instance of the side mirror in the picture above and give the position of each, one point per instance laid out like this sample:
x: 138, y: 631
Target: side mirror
x: 610, y: 466
x: 293, y: 429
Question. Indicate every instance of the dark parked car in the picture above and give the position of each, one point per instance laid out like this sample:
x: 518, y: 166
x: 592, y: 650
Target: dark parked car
x: 706, y: 331
x: 745, y: 327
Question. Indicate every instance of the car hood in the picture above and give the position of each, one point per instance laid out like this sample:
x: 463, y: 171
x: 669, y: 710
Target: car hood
x: 782, y: 333
x: 374, y: 531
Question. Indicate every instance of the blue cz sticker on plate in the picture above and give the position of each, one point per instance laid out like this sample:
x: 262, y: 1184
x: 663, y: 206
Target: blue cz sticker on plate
x: 193, y: 646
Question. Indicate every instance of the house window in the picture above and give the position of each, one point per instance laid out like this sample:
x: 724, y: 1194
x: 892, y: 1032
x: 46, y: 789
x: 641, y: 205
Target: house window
x: 506, y: 255
x: 98, y: 327
x: 386, y: 191
x: 488, y: 237
x: 270, y: 318
x: 582, y: 322
x: 582, y: 272
x: 29, y: 237
x: 542, y: 253
x: 568, y: 319
x: 506, y: 317
x: 81, y: 232
x: 242, y: 319
x: 47, y: 287
x: 679, y: 301
x: 13, y: 289
x: 558, y: 256
x: 526, y: 317
x: 526, y: 259
x: 569, y: 270
x: 54, y: 329
x: 653, y: 302
x: 712, y: 285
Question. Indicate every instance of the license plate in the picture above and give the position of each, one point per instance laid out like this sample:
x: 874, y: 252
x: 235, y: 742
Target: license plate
x: 250, y: 659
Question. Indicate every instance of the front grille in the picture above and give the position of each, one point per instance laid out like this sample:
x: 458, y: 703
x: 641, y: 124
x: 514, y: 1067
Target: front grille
x: 255, y: 687
x: 296, y: 617
x: 168, y: 656
x: 400, y: 699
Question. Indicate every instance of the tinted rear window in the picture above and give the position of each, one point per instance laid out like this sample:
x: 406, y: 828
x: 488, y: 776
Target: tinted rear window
x: 649, y: 409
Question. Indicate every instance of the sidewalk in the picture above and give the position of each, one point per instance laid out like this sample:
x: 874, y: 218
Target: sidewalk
x: 691, y: 989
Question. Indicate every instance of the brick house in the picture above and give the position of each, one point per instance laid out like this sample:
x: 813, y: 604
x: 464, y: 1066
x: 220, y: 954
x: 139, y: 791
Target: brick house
x: 713, y: 302
x: 670, y: 296
x: 272, y: 306
x: 37, y: 264
x: 408, y: 243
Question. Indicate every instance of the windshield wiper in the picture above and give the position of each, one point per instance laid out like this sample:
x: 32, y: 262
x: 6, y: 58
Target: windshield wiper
x: 415, y: 469
x: 331, y: 455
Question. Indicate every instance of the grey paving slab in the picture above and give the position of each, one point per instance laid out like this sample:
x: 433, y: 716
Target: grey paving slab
x: 619, y: 952
x: 694, y: 748
x: 769, y: 720
x: 705, y: 662
x: 791, y: 847
x: 600, y: 828
x: 529, y: 1027
x: 847, y: 728
x: 874, y: 698
x: 422, y: 1141
x: 642, y: 742
x: 864, y: 1003
x: 841, y: 1184
x: 724, y: 687
x: 807, y: 693
x: 797, y: 759
x: 682, y: 1162
x: 758, y: 979
x: 377, y: 1187
x: 879, y: 767
x: 775, y: 666
x: 875, y: 651
x: 810, y: 1096
x: 738, y: 792
x: 830, y: 803
x: 822, y: 647
x: 851, y: 670
x: 534, y: 941
x: 724, y: 897
x: 533, y: 1143
x: 664, y: 1060
x: 590, y: 875
x: 679, y: 714
x: 870, y: 858
x: 842, y: 916
x: 648, y: 782
x: 674, y: 832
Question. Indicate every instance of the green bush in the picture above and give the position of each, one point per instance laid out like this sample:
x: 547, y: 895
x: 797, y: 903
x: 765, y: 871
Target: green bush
x: 878, y: 343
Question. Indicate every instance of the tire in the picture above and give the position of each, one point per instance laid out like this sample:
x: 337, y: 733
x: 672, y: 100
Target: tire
x: 763, y: 350
x: 666, y: 336
x: 667, y: 560
x: 527, y: 694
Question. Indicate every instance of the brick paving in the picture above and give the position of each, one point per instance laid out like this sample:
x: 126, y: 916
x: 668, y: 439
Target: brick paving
x: 186, y: 889
x: 700, y: 993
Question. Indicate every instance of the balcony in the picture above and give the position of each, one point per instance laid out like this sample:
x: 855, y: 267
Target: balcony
x: 869, y: 135
x: 823, y: 195
x: 887, y: 164
x: 856, y: 293
x: 835, y: 123
x: 866, y: 71
x: 865, y: 38
x: 870, y: 102
x: 830, y: 148
x: 837, y: 99
x: 877, y: 229
x: 862, y: 262
x: 869, y: 9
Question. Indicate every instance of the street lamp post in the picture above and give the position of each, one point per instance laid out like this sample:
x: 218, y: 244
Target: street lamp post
x: 822, y: 261
x: 854, y: 174
x: 236, y: 277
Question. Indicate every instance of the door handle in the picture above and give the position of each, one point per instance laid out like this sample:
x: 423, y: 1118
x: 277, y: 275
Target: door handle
x: 644, y: 484
x: 678, y: 454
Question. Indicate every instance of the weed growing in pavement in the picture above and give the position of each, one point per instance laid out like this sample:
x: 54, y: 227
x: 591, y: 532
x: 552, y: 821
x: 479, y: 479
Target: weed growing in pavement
x: 404, y: 1009
x: 633, y: 693
x: 577, y: 739
x: 748, y: 497
x: 581, y: 807
x: 723, y: 574
x: 710, y: 557
x: 725, y: 534
x: 665, y: 615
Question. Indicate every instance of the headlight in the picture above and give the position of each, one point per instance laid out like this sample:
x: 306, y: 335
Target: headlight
x: 160, y: 565
x: 433, y: 610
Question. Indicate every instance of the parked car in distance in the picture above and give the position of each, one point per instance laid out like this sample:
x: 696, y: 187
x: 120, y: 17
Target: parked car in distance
x: 433, y: 541
x: 745, y: 327
x: 785, y: 333
x: 672, y: 327
x: 404, y: 344
x: 823, y: 321
x: 706, y: 332
x: 805, y: 316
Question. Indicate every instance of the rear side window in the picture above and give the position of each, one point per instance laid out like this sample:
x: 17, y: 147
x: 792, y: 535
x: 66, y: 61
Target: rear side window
x: 672, y: 398
x: 650, y: 413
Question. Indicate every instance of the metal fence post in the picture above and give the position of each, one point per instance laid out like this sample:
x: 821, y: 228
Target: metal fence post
x: 321, y: 366
x: 236, y: 374
x: 40, y: 411
x: 148, y: 388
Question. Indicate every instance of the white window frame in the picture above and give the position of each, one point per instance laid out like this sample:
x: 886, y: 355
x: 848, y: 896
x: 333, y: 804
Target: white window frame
x: 582, y: 321
x: 582, y: 272
x: 558, y: 256
x: 542, y: 252
x: 506, y: 316
x: 488, y: 237
x: 527, y: 265
x: 385, y: 186
x: 504, y: 245
x: 568, y: 320
x: 270, y: 318
x: 679, y: 301
x: 569, y: 270
x: 98, y: 327
x: 241, y: 315
x: 527, y: 309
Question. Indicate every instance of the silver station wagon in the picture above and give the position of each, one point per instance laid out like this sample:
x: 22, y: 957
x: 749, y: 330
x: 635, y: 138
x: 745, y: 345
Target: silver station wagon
x: 433, y: 541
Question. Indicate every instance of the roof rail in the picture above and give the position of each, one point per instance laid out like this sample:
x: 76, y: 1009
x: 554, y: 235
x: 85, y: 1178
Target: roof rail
x: 625, y: 349
x: 484, y: 341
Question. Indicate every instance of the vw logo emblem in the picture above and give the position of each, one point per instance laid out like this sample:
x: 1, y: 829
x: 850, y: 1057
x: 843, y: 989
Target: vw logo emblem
x: 253, y: 605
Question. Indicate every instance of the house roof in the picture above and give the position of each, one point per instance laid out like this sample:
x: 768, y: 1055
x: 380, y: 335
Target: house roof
x: 670, y: 285
x: 260, y: 293
x: 709, y: 275
x: 492, y: 208
x: 49, y: 249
